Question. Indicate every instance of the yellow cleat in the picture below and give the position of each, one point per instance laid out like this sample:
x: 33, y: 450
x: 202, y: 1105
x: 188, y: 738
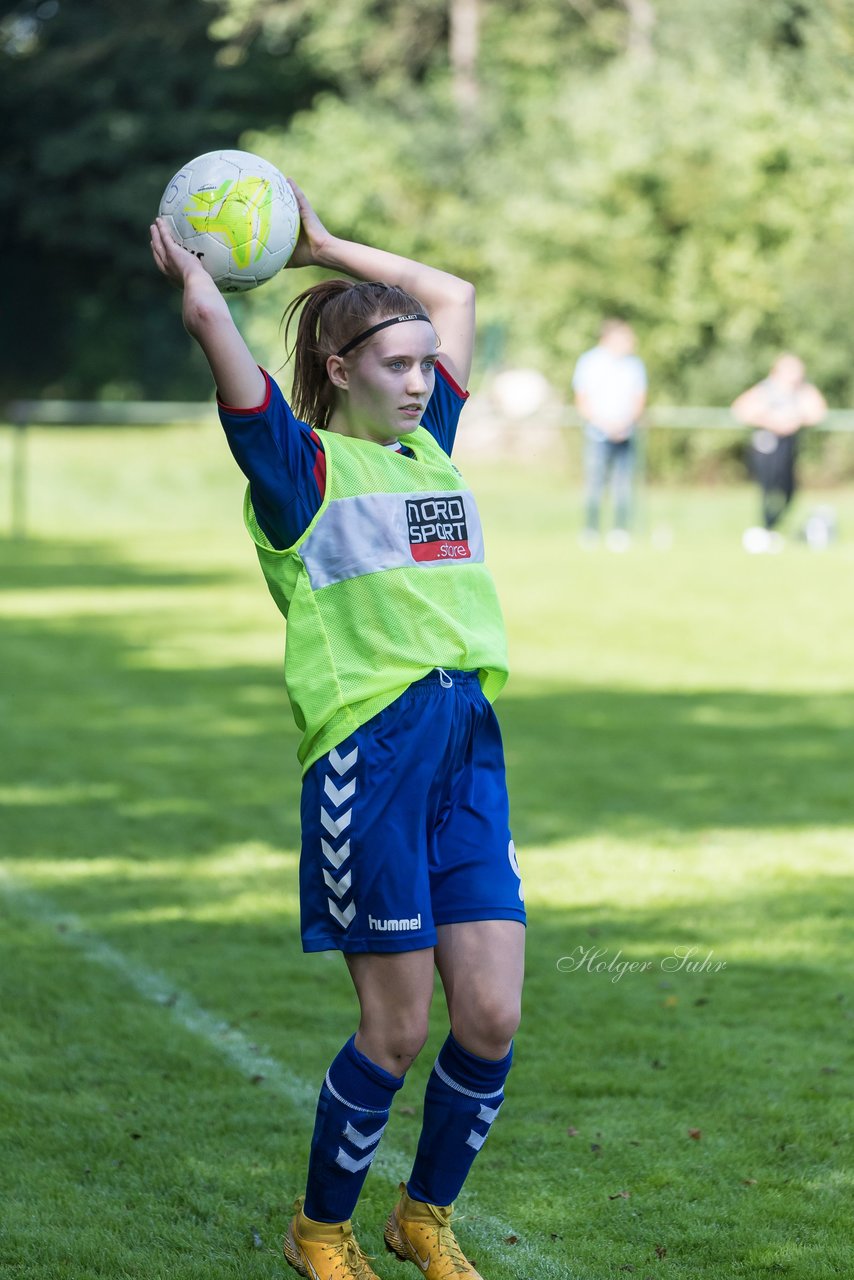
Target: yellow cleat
x: 324, y: 1250
x: 421, y: 1233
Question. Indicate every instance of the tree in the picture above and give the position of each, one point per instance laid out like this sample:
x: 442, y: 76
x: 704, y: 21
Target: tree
x: 705, y: 195
x: 100, y: 103
x: 573, y: 157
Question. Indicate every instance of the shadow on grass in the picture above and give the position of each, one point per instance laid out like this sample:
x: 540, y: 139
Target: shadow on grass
x: 104, y: 755
x: 42, y: 565
x: 590, y: 760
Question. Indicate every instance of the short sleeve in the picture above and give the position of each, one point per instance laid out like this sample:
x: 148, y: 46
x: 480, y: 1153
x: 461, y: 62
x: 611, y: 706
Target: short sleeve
x: 283, y: 460
x: 442, y: 415
x: 580, y: 372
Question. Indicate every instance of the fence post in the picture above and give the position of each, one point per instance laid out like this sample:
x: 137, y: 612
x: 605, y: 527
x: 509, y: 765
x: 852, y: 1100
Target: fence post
x: 19, y: 480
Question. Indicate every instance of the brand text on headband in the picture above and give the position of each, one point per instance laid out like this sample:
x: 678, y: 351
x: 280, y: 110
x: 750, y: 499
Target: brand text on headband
x: 383, y: 324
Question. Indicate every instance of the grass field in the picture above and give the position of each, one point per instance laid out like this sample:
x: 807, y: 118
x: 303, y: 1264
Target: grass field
x: 681, y: 756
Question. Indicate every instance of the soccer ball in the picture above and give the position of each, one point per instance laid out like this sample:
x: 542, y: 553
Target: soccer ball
x: 236, y: 213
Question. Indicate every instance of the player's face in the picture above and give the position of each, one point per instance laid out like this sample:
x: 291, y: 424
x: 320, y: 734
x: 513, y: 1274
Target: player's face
x: 390, y: 381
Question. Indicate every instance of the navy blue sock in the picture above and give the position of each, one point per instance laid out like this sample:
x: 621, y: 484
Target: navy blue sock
x: 352, y: 1112
x: 462, y: 1099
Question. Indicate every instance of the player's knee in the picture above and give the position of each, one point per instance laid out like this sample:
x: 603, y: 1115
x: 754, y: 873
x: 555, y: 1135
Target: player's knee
x: 488, y: 1026
x: 405, y: 1047
x: 410, y: 1048
x: 395, y: 1046
x: 501, y: 1024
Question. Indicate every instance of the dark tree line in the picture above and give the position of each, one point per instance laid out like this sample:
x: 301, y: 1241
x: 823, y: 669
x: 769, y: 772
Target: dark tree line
x: 100, y: 102
x: 572, y: 157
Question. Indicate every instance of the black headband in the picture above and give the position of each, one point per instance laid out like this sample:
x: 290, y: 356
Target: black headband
x: 383, y: 324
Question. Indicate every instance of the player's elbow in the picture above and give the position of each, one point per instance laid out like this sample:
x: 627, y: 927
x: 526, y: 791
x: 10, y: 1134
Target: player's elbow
x: 468, y: 292
x: 462, y: 295
x: 203, y: 315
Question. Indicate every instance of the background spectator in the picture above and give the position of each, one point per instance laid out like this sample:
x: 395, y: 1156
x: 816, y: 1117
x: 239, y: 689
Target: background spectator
x: 777, y: 407
x: 610, y: 393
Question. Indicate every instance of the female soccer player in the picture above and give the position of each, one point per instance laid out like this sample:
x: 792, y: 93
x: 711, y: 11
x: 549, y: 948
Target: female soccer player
x: 372, y: 547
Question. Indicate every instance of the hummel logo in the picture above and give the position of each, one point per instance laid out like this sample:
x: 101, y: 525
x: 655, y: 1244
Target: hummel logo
x: 394, y: 926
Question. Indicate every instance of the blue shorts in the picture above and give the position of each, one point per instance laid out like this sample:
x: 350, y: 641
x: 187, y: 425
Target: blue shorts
x: 405, y: 824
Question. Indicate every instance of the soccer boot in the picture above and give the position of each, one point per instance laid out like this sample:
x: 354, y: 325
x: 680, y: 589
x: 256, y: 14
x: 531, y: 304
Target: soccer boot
x: 324, y: 1250
x: 421, y: 1233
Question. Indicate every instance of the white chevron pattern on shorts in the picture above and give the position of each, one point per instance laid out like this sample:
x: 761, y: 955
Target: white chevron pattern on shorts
x: 340, y: 764
x: 343, y: 917
x: 340, y: 887
x: 335, y: 856
x: 335, y: 826
x: 339, y: 794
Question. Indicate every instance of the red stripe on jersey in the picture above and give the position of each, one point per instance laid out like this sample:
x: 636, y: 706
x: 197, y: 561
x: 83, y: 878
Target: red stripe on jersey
x: 319, y: 466
x: 440, y: 368
x: 261, y: 408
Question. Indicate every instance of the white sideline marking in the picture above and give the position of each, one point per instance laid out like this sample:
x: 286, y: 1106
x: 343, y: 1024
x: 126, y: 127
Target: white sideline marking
x: 156, y: 988
x: 486, y: 1230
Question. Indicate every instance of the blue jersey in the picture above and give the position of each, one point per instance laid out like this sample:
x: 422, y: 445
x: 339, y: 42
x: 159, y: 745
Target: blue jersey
x: 283, y: 458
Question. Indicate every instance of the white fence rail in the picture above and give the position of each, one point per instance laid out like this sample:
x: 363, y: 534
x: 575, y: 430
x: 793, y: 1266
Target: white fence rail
x: 20, y: 415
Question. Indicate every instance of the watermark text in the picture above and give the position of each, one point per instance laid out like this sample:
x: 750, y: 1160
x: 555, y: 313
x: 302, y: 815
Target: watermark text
x: 598, y: 960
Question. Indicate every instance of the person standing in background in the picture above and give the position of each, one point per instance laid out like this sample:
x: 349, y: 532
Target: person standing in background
x: 777, y: 408
x: 610, y: 386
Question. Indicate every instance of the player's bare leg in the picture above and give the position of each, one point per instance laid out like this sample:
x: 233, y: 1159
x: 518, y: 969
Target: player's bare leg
x: 481, y: 964
x: 394, y: 992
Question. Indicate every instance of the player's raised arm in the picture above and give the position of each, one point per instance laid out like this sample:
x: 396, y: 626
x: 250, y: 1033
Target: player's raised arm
x: 239, y: 381
x: 449, y: 300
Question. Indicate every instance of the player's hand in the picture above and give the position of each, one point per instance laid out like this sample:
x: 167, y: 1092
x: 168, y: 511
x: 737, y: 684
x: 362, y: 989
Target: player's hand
x: 175, y: 262
x: 313, y: 236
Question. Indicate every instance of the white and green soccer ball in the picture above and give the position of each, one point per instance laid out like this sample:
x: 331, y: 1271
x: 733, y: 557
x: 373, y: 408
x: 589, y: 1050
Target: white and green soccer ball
x: 236, y: 213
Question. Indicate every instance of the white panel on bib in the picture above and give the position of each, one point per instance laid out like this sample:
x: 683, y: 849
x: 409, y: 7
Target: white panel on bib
x: 376, y: 531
